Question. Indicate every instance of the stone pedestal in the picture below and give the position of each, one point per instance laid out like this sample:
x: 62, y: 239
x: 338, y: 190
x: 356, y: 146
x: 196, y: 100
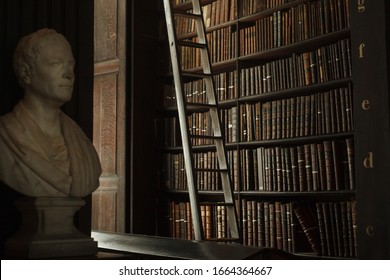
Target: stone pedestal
x: 47, y: 230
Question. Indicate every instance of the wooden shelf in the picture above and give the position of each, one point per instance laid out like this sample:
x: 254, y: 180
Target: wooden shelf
x: 268, y: 143
x: 318, y: 195
x: 298, y: 47
x: 298, y: 91
x: 188, y: 5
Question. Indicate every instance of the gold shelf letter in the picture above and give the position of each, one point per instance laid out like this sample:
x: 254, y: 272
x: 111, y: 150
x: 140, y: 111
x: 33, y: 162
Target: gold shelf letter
x: 366, y: 105
x: 361, y: 7
x: 370, y: 230
x: 368, y: 162
x: 361, y: 47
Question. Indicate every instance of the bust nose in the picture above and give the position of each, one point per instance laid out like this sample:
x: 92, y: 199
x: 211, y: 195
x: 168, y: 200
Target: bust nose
x: 68, y: 72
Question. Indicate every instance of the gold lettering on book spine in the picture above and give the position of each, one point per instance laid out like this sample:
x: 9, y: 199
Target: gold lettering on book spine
x: 361, y: 47
x: 366, y: 105
x: 361, y: 6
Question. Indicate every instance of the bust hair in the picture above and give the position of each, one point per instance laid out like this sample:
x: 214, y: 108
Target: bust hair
x: 27, y: 50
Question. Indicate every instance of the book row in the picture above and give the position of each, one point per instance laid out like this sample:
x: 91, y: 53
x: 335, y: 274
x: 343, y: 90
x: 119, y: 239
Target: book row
x: 248, y: 7
x: 222, y: 46
x: 214, y: 220
x: 327, y: 63
x: 320, y: 113
x: 323, y: 166
x: 295, y: 24
x: 225, y: 86
x: 216, y: 13
x: 173, y: 176
x: 168, y: 129
x: 325, y: 228
x: 221, y: 11
x: 331, y: 13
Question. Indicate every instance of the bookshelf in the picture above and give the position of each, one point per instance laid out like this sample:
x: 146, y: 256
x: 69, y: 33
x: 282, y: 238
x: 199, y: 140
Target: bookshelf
x: 287, y: 86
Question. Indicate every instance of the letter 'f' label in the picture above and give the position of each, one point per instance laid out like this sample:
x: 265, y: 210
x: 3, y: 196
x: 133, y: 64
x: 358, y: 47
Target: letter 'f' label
x: 361, y: 48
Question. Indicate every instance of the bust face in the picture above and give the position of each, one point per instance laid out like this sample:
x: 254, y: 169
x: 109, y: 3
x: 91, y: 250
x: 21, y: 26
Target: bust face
x: 52, y: 75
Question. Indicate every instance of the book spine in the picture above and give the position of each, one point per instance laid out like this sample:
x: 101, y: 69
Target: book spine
x: 309, y: 226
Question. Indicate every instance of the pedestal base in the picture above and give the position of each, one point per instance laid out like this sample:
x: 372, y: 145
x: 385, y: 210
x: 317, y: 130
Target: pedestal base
x: 47, y: 230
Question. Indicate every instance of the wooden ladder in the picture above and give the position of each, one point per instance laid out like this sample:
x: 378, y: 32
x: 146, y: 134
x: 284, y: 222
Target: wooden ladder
x: 193, y: 13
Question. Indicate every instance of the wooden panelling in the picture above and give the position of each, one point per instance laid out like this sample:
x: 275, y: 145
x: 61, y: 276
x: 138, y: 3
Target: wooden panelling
x: 105, y: 124
x: 106, y: 29
x: 108, y: 202
x: 106, y: 67
x: 104, y: 209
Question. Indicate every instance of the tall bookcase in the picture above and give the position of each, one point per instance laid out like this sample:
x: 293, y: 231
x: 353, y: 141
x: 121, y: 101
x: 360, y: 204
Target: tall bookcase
x: 292, y: 100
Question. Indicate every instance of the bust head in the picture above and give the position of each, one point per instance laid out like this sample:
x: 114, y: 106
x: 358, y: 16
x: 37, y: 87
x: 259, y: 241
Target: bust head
x: 43, y: 63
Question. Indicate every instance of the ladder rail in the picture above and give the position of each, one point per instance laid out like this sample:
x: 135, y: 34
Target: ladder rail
x: 176, y: 69
x: 216, y: 122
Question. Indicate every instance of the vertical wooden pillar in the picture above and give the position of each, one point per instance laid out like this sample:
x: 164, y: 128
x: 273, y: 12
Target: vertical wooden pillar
x: 370, y: 64
x: 108, y: 202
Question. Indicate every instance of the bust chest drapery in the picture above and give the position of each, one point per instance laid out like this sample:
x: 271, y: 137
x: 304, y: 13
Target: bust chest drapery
x: 37, y: 165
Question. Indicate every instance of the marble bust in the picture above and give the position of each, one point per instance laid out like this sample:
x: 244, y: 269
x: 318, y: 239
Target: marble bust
x: 43, y: 152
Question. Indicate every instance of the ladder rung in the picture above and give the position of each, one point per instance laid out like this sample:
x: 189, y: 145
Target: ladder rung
x: 195, y: 75
x: 186, y: 76
x: 191, y: 44
x: 210, y: 170
x: 199, y: 106
x: 187, y: 15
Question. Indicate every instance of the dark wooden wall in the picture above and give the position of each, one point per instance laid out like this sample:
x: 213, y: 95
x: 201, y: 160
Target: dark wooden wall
x: 142, y: 57
x: 74, y: 19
